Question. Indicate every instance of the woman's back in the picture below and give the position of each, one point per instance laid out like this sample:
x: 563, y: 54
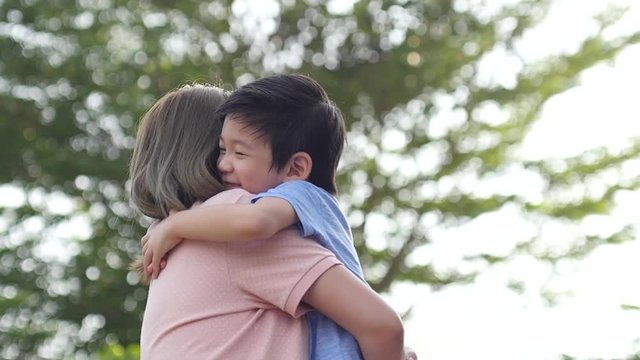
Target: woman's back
x: 233, y: 301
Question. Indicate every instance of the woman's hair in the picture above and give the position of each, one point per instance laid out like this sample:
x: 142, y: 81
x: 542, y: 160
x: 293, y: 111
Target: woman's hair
x: 174, y: 158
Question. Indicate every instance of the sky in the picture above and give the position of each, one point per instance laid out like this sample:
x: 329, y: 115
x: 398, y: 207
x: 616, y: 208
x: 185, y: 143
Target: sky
x: 486, y: 320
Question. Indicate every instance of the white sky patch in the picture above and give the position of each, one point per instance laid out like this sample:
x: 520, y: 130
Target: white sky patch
x: 499, y: 68
x: 602, y: 111
x: 340, y: 7
x: 491, y: 335
x: 555, y: 35
x: 12, y: 196
x: 60, y: 204
x: 60, y: 243
x: 591, y: 323
x: 453, y: 244
x: 490, y: 112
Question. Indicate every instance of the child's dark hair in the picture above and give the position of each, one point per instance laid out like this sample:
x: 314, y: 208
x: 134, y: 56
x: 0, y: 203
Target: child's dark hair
x: 294, y: 114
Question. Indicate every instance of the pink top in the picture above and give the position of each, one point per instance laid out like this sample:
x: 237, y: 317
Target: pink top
x: 233, y: 301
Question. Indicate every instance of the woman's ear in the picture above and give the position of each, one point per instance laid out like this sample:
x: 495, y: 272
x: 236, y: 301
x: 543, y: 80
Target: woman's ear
x: 299, y: 166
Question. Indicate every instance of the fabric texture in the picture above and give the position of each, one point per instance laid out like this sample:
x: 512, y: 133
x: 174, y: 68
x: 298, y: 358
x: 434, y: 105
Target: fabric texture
x: 233, y: 300
x: 320, y: 218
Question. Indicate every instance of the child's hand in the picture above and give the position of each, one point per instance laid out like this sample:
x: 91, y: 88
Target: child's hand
x: 155, y: 245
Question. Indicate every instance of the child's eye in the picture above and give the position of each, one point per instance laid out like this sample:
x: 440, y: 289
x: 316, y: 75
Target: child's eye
x: 240, y: 153
x: 222, y: 150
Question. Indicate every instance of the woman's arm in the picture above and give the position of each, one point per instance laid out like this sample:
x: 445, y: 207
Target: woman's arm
x: 342, y: 297
x: 222, y: 223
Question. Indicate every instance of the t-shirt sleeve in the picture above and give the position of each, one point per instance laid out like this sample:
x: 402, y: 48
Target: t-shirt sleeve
x: 278, y: 272
x: 313, y: 206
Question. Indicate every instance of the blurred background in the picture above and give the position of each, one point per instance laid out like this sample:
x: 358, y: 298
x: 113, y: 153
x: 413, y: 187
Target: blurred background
x: 491, y: 175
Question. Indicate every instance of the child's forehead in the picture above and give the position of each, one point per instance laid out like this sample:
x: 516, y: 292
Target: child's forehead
x: 243, y: 128
x: 241, y: 121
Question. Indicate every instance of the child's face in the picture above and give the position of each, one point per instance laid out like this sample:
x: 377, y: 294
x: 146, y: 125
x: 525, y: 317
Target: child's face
x: 245, y: 159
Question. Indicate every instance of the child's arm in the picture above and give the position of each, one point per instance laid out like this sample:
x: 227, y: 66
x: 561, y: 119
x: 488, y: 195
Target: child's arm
x: 229, y: 222
x: 350, y: 303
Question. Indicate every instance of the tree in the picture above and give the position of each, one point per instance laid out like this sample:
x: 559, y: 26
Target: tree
x: 76, y: 76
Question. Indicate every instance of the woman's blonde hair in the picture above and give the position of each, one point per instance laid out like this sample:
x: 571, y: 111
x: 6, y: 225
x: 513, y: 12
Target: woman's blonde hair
x: 174, y: 157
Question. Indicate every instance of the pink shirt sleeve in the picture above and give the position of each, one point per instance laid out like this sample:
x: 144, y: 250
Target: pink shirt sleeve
x: 276, y: 272
x: 280, y: 270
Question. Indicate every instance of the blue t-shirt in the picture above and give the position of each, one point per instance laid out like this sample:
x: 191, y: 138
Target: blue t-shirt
x: 321, y: 218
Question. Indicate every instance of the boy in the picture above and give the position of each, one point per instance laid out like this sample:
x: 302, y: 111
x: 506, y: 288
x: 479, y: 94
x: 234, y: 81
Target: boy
x: 281, y: 139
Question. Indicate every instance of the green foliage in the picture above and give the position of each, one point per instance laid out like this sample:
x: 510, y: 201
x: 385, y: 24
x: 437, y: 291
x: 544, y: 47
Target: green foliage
x: 76, y: 75
x: 119, y: 352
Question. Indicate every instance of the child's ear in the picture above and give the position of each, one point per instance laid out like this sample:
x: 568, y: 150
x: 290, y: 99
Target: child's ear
x: 299, y: 167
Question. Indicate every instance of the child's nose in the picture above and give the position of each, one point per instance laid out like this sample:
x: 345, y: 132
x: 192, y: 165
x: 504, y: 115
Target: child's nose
x: 223, y: 165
